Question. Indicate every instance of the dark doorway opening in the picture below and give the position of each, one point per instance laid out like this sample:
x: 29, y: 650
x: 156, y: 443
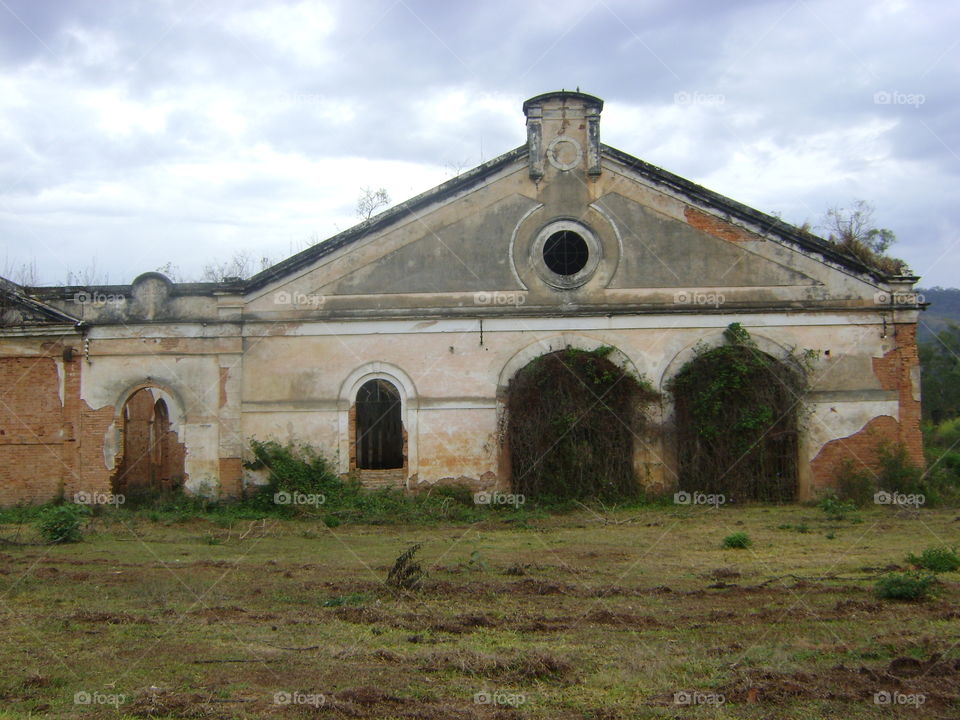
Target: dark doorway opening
x: 379, y: 426
x: 738, y: 425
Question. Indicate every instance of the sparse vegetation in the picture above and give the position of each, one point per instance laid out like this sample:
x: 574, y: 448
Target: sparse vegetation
x: 936, y: 559
x: 852, y: 231
x: 181, y: 627
x: 834, y: 508
x: 737, y: 540
x: 62, y: 523
x: 911, y: 586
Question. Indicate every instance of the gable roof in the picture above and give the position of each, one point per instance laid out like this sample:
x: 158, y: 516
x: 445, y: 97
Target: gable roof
x: 18, y: 309
x: 695, y: 193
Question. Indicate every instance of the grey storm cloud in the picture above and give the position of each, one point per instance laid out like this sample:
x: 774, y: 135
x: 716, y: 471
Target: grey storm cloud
x: 144, y: 133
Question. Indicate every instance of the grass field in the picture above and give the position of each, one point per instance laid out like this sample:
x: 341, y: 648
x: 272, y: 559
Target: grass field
x: 631, y: 614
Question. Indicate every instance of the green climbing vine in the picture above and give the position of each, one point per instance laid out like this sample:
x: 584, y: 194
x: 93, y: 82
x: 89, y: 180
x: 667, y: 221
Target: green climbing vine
x: 737, y: 414
x: 573, y: 417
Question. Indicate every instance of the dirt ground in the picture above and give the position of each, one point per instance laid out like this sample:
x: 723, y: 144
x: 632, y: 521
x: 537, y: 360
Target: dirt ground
x: 634, y: 614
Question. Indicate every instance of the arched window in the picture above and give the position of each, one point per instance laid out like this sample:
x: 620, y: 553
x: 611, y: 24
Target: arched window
x: 379, y: 426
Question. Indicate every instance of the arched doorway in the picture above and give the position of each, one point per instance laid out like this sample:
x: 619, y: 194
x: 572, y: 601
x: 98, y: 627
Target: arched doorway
x: 574, y: 420
x: 378, y: 426
x: 737, y: 423
x: 152, y: 457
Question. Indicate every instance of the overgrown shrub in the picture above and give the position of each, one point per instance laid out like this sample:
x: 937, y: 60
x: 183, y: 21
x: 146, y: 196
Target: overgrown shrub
x: 911, y: 586
x: 293, y: 468
x: 835, y: 508
x: 738, y: 540
x: 899, y: 473
x: 62, y: 523
x: 736, y: 420
x: 855, y: 483
x: 936, y: 559
x: 301, y: 469
x: 572, y: 420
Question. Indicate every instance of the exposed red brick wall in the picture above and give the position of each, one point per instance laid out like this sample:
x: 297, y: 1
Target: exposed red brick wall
x: 231, y: 477
x: 860, y: 447
x: 38, y: 431
x: 893, y: 371
x: 716, y: 227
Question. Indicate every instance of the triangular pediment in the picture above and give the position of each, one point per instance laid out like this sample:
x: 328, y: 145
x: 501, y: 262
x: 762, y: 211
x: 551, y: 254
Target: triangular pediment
x: 652, y: 237
x: 17, y: 309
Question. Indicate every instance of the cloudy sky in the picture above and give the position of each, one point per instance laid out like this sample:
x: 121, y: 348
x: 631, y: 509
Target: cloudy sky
x: 139, y: 133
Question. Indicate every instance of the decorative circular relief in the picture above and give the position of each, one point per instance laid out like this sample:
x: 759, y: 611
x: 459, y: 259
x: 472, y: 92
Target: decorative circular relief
x: 564, y: 153
x: 565, y: 254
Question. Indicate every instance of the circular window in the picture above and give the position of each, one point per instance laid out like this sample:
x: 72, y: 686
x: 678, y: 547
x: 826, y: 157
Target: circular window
x: 565, y: 253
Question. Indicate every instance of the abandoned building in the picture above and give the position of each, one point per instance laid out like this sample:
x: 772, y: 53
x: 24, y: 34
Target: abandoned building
x: 392, y: 346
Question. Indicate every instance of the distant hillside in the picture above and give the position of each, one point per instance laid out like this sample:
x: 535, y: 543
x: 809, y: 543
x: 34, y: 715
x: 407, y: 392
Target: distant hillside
x: 944, y: 308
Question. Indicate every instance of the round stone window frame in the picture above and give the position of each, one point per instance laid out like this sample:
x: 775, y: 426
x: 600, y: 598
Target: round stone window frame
x: 556, y: 280
x: 554, y: 148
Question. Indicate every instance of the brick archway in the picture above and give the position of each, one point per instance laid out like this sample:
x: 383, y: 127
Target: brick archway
x: 151, y: 458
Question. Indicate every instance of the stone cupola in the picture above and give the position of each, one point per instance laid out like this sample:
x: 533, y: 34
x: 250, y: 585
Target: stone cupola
x: 563, y: 133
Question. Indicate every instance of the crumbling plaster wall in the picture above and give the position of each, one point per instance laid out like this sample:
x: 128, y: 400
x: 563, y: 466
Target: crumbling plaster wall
x: 293, y: 383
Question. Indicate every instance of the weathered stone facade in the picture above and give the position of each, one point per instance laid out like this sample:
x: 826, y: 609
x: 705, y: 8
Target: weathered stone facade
x: 562, y: 242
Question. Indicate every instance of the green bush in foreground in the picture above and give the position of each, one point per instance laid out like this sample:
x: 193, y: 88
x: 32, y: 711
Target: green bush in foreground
x: 62, y: 523
x: 911, y: 586
x: 936, y: 559
x: 737, y: 540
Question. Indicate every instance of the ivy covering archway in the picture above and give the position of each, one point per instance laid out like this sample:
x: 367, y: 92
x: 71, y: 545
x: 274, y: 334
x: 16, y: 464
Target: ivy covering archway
x: 737, y: 416
x: 573, y: 418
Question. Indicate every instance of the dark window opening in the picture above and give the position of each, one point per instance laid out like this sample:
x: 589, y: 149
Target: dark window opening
x: 565, y: 253
x: 379, y: 426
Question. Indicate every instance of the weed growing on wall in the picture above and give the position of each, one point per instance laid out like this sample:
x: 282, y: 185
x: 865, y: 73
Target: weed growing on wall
x: 737, y: 420
x: 573, y: 417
